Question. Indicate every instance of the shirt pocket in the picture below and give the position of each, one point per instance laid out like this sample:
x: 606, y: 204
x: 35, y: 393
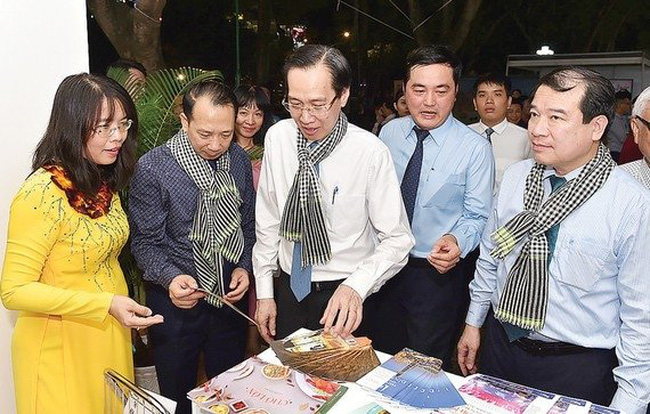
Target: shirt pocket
x: 347, y: 215
x: 579, y: 264
x: 450, y: 194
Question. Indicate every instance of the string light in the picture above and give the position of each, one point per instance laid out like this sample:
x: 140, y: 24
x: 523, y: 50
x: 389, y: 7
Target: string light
x: 134, y: 5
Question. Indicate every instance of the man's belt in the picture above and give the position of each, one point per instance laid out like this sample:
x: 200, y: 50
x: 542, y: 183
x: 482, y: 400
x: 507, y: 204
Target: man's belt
x: 549, y: 348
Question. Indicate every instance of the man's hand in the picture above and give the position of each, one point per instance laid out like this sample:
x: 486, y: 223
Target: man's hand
x: 182, y: 292
x: 467, y: 348
x: 445, y: 254
x: 239, y: 282
x: 346, y: 307
x: 265, y: 317
x: 131, y: 314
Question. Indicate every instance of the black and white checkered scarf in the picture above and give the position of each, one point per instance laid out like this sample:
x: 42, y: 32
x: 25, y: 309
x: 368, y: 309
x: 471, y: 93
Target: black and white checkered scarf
x: 525, y: 295
x: 216, y: 231
x: 302, y: 220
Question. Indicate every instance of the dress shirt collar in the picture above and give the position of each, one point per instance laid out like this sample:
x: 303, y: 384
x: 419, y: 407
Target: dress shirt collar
x: 437, y: 134
x: 569, y: 176
x: 498, y: 128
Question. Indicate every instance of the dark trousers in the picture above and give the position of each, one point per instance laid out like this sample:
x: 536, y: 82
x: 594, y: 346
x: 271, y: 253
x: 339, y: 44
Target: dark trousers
x: 292, y: 314
x: 575, y: 372
x: 217, y: 332
x: 421, y: 309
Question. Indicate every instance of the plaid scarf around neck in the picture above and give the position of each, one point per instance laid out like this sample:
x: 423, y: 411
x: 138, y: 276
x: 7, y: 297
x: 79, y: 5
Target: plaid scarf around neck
x: 216, y: 230
x: 302, y: 219
x: 524, y: 298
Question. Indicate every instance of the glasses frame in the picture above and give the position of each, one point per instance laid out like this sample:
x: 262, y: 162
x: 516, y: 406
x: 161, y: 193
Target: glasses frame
x: 643, y: 121
x: 311, y: 110
x: 123, y: 126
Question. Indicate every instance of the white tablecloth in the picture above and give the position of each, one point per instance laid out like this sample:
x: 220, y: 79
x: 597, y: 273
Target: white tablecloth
x: 354, y: 398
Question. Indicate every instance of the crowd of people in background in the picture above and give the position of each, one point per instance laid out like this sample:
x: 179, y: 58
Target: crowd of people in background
x: 513, y: 246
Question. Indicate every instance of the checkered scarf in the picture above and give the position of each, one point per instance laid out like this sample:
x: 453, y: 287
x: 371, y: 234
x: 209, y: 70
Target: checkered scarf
x: 302, y: 220
x: 216, y: 231
x: 525, y: 295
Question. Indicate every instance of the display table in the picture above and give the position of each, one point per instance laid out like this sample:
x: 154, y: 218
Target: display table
x: 354, y: 398
x: 480, y: 393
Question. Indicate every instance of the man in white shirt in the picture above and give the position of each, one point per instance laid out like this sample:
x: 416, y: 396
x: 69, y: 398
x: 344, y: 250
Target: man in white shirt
x: 509, y: 141
x: 329, y: 208
x: 640, y: 124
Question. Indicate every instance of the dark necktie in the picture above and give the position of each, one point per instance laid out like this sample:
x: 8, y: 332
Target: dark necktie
x: 411, y: 178
x: 488, y: 134
x: 300, y: 279
x: 515, y: 332
x: 551, y: 234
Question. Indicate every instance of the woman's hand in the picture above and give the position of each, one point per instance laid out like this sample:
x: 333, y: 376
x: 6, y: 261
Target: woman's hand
x: 131, y: 314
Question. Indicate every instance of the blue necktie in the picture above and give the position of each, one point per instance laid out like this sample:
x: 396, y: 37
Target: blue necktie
x: 411, y: 178
x: 300, y: 279
x: 515, y: 332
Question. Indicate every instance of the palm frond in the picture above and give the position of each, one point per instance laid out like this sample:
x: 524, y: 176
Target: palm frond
x: 159, y: 105
x: 122, y: 76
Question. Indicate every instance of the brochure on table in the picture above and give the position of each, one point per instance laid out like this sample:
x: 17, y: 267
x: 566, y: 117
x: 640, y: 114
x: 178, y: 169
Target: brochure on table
x: 413, y: 380
x: 486, y: 394
x: 257, y: 387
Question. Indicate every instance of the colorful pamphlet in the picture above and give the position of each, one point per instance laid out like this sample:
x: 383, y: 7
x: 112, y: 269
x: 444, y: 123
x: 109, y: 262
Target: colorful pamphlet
x: 507, y: 397
x: 257, y: 387
x: 484, y: 393
x: 412, y: 379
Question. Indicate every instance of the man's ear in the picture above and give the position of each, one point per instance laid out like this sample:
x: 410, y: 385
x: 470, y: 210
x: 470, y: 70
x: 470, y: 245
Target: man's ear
x: 635, y: 130
x: 599, y: 124
x: 344, y: 97
x: 184, y: 121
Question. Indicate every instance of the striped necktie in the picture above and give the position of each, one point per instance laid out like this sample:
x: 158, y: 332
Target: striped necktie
x: 488, y: 134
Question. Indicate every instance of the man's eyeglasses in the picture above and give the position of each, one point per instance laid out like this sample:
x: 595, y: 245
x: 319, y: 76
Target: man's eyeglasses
x: 646, y: 123
x: 314, y: 110
x: 104, y: 131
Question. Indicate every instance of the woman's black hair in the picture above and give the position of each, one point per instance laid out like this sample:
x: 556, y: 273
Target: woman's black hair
x: 251, y: 95
x: 76, y: 112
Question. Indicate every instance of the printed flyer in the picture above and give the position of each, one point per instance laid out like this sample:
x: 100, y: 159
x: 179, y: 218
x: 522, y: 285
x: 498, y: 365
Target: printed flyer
x: 257, y: 387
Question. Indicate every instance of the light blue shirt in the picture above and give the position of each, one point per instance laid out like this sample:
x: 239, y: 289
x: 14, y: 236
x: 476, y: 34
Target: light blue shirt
x: 598, y: 275
x: 456, y: 181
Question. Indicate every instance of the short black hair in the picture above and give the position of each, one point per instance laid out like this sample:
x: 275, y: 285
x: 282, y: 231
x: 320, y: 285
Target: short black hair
x: 215, y: 90
x: 309, y: 56
x: 249, y: 95
x: 493, y: 79
x: 128, y: 64
x: 622, y: 95
x: 598, y: 98
x: 518, y: 101
x: 76, y: 111
x: 433, y: 54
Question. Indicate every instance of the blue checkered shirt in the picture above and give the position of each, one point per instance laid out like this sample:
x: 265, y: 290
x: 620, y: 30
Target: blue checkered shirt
x: 162, y: 203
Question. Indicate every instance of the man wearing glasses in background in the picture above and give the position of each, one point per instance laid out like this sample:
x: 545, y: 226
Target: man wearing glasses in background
x: 640, y: 124
x: 329, y: 209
